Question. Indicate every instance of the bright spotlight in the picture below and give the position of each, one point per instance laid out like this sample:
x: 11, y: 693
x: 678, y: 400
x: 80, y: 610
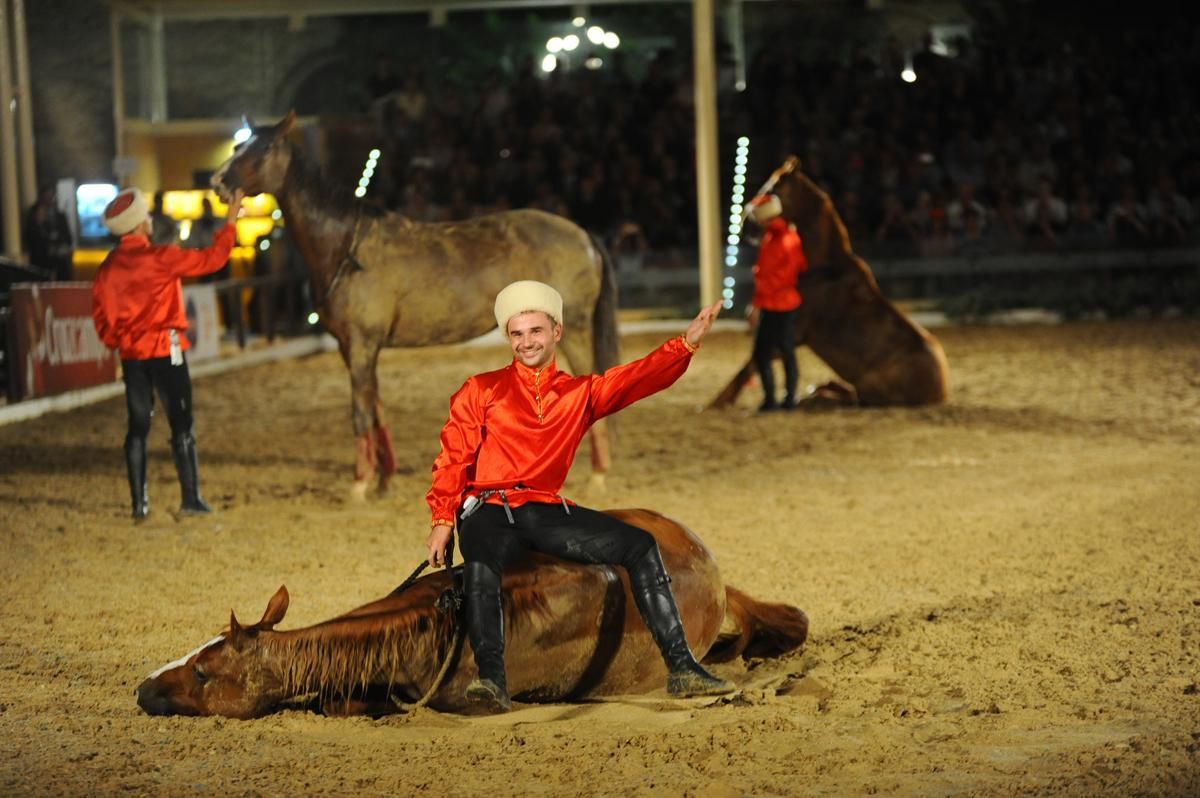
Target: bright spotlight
x: 730, y: 261
x: 554, y: 44
x: 731, y: 249
x: 549, y: 63
x: 611, y: 40
x: 593, y: 63
x: 595, y: 34
x: 729, y: 282
x: 265, y: 244
x: 570, y: 42
x: 732, y: 240
x: 908, y: 76
x: 743, y: 141
x: 374, y: 155
x: 739, y: 179
x: 241, y: 135
x: 360, y: 192
x: 579, y: 22
x: 313, y: 317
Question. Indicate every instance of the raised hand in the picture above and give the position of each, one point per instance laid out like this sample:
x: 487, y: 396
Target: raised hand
x: 702, y: 323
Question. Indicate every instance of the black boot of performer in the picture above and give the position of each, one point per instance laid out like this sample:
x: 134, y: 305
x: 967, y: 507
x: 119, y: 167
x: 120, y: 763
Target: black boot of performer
x: 485, y: 626
x: 652, y: 592
x: 187, y: 464
x: 135, y: 465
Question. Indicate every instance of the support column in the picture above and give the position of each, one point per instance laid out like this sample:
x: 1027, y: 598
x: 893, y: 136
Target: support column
x: 735, y: 30
x: 10, y: 198
x: 25, y: 157
x: 118, y: 80
x: 707, y: 198
x: 158, y: 68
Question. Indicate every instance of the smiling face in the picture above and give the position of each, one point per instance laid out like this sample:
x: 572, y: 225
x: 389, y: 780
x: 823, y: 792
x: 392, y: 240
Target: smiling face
x: 533, y: 337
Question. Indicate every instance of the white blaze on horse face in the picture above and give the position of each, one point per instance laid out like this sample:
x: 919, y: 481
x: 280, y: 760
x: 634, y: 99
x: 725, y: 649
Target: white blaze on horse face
x: 184, y: 659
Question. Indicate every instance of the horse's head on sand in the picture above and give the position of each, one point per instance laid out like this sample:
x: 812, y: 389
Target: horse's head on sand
x: 225, y: 676
x: 261, y: 162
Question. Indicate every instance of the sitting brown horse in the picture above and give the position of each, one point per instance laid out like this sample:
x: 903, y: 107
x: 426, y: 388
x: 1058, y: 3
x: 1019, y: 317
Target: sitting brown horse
x: 885, y: 357
x: 573, y: 632
x: 384, y: 280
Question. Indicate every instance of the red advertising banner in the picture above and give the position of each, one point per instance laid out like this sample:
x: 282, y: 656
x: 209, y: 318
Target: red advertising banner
x: 54, y: 343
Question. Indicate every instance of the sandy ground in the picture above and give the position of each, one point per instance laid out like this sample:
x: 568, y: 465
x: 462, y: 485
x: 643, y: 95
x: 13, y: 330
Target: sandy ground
x: 1004, y: 592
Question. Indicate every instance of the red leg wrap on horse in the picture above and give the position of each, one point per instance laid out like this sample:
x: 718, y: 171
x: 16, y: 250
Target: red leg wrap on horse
x: 383, y: 447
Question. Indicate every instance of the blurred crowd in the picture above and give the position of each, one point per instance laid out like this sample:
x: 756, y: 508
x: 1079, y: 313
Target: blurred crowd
x: 1018, y: 141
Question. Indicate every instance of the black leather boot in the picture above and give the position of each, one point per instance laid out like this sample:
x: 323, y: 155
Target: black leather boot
x: 485, y: 626
x: 187, y: 465
x: 135, y: 465
x: 652, y: 592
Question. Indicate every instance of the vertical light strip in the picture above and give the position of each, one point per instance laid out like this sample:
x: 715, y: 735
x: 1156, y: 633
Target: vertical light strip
x: 367, y: 173
x: 736, y: 207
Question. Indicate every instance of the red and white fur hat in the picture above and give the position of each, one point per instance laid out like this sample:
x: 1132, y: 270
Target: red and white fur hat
x: 765, y: 207
x: 126, y: 211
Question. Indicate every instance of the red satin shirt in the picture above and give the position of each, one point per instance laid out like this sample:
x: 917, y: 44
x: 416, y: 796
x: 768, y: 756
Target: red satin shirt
x: 520, y: 426
x: 780, y: 262
x: 137, y: 297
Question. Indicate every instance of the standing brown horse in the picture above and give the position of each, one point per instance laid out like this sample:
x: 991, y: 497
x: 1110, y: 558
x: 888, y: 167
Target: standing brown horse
x: 573, y: 631
x: 886, y: 357
x: 384, y: 280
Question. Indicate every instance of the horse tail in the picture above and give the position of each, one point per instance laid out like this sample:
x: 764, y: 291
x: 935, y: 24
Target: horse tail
x: 755, y: 628
x: 606, y: 343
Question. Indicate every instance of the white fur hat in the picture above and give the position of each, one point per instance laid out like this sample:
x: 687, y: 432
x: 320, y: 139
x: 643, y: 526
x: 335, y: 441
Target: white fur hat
x: 126, y: 211
x: 765, y: 208
x: 524, y: 296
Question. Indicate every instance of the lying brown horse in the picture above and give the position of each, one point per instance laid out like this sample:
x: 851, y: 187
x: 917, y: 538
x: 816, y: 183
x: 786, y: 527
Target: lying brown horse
x: 885, y: 357
x: 572, y: 632
x: 383, y: 280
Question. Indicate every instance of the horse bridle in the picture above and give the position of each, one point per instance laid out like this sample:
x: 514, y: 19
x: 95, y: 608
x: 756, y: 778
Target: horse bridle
x: 450, y: 601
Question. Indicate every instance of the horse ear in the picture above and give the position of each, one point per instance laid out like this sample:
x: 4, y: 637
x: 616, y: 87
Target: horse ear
x: 792, y: 164
x: 286, y: 124
x: 276, y: 608
x: 235, y: 629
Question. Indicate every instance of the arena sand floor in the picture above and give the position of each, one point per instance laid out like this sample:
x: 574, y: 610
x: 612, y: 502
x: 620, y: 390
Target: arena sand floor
x: 1003, y: 592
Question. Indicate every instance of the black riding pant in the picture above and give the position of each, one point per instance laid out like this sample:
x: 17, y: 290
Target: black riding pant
x: 584, y: 535
x: 174, y: 386
x: 776, y: 333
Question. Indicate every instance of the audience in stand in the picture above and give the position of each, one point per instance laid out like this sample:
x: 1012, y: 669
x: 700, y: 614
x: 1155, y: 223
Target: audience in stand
x: 976, y: 156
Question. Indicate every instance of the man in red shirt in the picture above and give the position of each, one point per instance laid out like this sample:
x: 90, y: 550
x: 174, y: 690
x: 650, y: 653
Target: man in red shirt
x: 506, y: 451
x: 137, y: 306
x: 776, y: 298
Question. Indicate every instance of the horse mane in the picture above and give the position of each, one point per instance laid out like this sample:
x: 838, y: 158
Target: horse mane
x: 338, y: 657
x: 310, y: 179
x: 335, y: 658
x: 823, y: 233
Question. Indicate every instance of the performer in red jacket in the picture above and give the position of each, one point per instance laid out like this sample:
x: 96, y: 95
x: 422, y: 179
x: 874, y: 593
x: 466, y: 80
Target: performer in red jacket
x: 137, y: 306
x: 506, y: 450
x: 776, y: 298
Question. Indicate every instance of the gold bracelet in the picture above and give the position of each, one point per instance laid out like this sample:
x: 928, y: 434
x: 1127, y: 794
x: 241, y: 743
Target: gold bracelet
x: 687, y: 345
x: 441, y: 522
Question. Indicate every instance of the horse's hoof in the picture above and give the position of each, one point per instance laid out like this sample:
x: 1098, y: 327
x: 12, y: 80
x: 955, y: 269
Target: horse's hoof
x: 358, y: 491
